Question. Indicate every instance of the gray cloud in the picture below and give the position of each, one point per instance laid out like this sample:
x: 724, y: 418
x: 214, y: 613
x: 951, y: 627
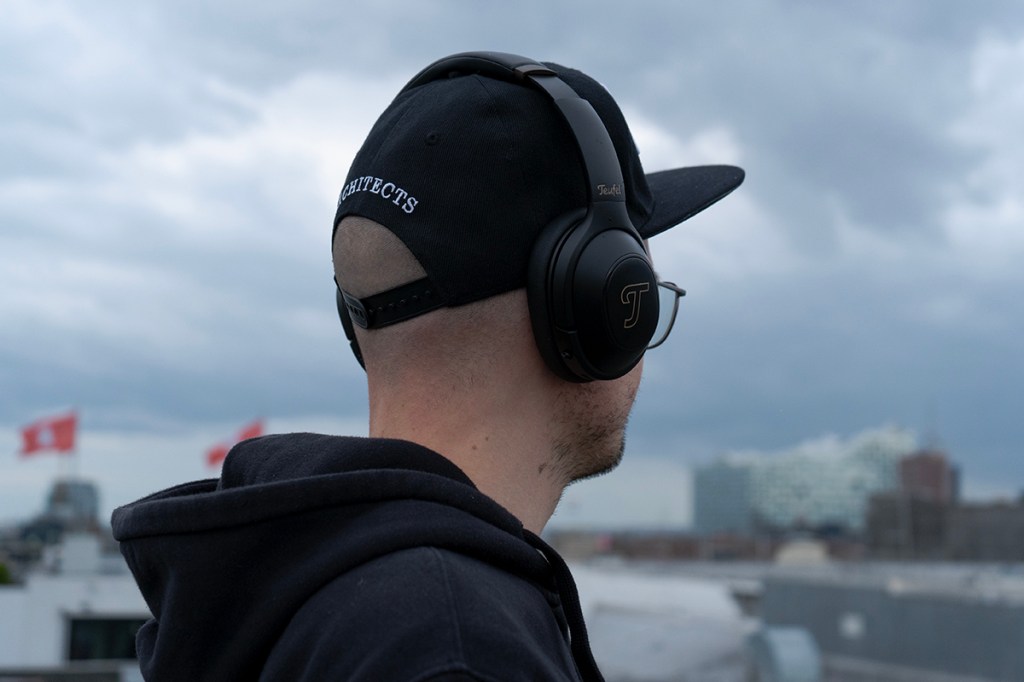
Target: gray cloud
x: 165, y: 203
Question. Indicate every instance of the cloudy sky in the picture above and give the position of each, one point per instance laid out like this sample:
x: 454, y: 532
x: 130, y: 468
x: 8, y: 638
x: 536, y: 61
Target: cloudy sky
x: 168, y: 173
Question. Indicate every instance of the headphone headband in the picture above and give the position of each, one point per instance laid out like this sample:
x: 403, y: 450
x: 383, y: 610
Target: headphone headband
x: 600, y: 162
x: 501, y: 65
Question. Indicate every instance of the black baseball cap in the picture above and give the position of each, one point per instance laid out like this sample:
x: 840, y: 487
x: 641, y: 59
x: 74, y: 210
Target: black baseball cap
x: 467, y: 170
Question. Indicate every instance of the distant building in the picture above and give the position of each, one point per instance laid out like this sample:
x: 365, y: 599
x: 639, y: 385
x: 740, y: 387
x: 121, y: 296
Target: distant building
x: 924, y: 519
x: 73, y: 501
x: 900, y: 526
x: 912, y: 522
x: 722, y: 503
x: 928, y: 475
x: 987, y: 532
x: 904, y: 527
x: 75, y: 619
x: 72, y: 505
x: 821, y: 485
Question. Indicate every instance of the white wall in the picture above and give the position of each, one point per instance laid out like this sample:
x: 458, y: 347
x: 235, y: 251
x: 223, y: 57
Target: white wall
x: 34, y: 616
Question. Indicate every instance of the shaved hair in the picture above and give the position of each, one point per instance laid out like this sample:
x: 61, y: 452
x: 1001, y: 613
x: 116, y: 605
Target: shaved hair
x: 369, y: 258
x: 459, y: 341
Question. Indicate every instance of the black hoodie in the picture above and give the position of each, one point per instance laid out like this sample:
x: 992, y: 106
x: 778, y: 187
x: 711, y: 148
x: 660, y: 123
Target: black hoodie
x: 332, y: 558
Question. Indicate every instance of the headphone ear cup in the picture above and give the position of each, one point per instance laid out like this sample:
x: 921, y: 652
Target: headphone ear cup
x: 590, y: 301
x: 539, y: 293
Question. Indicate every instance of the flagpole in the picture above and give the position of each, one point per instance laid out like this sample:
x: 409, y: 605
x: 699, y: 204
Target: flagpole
x: 67, y: 469
x: 65, y: 460
x: 74, y: 451
x: 74, y: 464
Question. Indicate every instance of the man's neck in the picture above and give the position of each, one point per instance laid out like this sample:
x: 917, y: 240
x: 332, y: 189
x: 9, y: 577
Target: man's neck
x: 502, y: 441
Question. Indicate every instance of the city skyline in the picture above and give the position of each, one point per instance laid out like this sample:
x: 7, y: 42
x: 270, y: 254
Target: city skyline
x: 645, y: 492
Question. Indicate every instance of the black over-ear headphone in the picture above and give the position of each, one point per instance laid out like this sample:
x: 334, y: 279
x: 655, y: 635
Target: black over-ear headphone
x: 591, y: 288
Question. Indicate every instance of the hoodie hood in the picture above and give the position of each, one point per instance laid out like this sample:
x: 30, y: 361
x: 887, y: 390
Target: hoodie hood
x: 224, y: 563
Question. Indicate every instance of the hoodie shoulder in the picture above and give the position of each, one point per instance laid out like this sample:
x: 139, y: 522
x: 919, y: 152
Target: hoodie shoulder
x: 425, y: 614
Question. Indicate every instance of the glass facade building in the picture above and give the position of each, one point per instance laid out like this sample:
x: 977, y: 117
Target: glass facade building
x: 822, y: 483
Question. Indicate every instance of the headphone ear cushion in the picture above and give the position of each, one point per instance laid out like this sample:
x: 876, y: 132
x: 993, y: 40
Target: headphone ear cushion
x: 539, y: 292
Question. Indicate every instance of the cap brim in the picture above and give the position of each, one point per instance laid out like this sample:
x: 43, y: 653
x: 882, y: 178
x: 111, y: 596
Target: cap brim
x: 682, y: 193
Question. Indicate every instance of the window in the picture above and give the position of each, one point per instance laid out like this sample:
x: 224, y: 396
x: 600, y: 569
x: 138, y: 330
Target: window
x: 103, y: 638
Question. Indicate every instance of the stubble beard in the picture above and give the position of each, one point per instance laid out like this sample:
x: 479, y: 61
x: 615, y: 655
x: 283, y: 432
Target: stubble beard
x: 590, y: 455
x: 593, y: 439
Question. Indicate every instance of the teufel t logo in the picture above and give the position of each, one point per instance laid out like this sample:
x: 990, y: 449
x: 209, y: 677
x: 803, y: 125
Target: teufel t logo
x: 631, y: 295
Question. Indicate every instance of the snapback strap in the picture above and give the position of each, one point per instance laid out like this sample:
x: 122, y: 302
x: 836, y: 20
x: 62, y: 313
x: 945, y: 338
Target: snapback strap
x: 394, y: 305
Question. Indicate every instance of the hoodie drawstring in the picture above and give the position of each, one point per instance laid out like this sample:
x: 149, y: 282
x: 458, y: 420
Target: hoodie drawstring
x: 566, y: 586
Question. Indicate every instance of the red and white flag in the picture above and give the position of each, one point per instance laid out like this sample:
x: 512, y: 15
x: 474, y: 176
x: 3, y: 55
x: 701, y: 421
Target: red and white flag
x: 217, y: 453
x: 50, y: 434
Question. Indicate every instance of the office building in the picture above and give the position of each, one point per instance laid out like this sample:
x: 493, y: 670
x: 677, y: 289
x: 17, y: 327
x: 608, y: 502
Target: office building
x: 819, y: 485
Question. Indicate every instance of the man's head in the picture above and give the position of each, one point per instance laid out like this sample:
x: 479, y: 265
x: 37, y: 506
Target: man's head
x: 491, y: 175
x: 499, y: 173
x: 483, y: 352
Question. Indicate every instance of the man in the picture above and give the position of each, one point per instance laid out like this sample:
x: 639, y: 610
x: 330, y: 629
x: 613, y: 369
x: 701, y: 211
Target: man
x: 493, y: 278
